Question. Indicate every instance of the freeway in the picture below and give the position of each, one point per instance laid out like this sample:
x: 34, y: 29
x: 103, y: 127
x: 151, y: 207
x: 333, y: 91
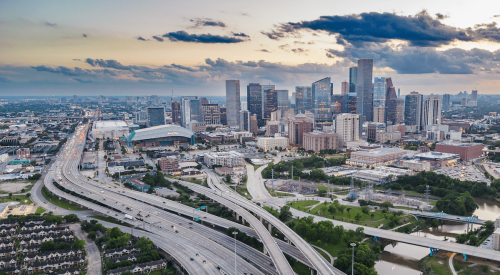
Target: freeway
x: 316, y: 260
x: 74, y: 181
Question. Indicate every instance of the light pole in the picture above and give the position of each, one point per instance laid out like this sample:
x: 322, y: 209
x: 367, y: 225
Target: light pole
x: 235, y: 233
x: 353, y: 245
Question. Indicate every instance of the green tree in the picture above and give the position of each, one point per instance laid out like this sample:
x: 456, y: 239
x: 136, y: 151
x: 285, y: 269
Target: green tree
x: 71, y: 218
x: 115, y: 233
x: 332, y: 209
x: 341, y: 208
x: 357, y: 217
x: 285, y: 213
x: 228, y: 178
x: 365, y: 210
x: 91, y: 235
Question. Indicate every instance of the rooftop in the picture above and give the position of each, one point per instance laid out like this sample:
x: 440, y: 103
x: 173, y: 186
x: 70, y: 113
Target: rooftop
x: 109, y: 124
x: 379, y: 151
x: 437, y: 155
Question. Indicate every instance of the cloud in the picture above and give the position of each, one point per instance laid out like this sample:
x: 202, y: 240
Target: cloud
x: 48, y: 24
x: 206, y: 22
x: 84, y: 35
x: 112, y: 64
x: 140, y: 38
x: 440, y: 16
x: 158, y: 38
x: 240, y: 34
x: 418, y: 30
x: 298, y: 42
x: 263, y: 50
x: 498, y: 15
x: 76, y: 59
x: 418, y: 60
x: 284, y: 47
x: 299, y: 50
x: 201, y: 38
x: 83, y: 80
x: 59, y: 70
x: 4, y: 79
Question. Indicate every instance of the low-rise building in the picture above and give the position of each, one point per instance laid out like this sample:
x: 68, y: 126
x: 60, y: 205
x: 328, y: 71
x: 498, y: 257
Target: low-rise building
x: 169, y: 164
x: 165, y: 192
x: 375, y: 157
x: 270, y: 143
x: 228, y: 159
x: 467, y: 151
x: 391, y: 137
x: 23, y: 153
x: 439, y: 159
x: 317, y: 141
x: 416, y: 165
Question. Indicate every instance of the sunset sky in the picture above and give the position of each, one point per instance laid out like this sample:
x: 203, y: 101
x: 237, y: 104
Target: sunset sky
x: 191, y: 47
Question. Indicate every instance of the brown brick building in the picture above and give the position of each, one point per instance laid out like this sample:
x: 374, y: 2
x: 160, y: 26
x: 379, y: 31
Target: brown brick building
x: 297, y: 127
x: 467, y: 151
x: 317, y: 141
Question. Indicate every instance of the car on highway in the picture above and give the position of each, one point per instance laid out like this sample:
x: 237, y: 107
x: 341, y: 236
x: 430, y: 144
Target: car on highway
x: 191, y: 259
x: 176, y: 231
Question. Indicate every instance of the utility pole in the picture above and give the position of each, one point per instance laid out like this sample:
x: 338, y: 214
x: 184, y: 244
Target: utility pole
x: 272, y: 179
x: 352, y: 267
x: 235, y: 233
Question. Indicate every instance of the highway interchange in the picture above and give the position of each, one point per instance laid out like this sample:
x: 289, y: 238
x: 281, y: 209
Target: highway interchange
x: 178, y: 236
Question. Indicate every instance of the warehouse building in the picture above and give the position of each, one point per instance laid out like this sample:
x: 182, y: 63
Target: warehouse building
x: 163, y: 135
x: 109, y: 129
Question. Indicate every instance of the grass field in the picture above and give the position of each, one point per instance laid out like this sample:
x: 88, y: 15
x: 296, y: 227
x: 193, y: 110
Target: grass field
x: 272, y: 211
x: 19, y: 198
x: 40, y: 210
x: 438, y: 265
x: 302, y: 205
x: 327, y: 258
x: 242, y: 190
x: 59, y: 203
x: 281, y: 194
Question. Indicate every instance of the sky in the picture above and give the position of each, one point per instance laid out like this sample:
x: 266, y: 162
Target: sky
x: 192, y: 47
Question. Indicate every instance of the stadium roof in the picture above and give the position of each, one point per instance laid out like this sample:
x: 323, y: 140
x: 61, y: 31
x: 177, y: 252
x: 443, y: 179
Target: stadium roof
x: 159, y: 132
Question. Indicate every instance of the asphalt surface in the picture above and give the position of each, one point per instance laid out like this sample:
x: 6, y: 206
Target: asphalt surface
x: 93, y: 256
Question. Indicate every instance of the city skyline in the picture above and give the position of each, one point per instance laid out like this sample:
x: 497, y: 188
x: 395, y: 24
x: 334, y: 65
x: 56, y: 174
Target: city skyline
x: 138, y: 49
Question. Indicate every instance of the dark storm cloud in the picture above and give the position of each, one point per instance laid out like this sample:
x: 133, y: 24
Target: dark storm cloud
x: 201, y: 38
x: 111, y: 64
x: 158, y: 38
x: 299, y: 50
x: 59, y: 70
x: 48, y: 24
x: 140, y: 38
x: 240, y: 34
x: 418, y: 30
x: 440, y: 16
x: 84, y: 35
x: 417, y: 60
x: 207, y: 22
x: 180, y: 67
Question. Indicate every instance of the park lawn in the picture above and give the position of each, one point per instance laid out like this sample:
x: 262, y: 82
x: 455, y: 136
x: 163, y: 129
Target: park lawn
x: 302, y: 205
x: 40, y: 210
x: 334, y: 249
x: 438, y: 268
x: 60, y: 203
x: 19, y: 198
x: 466, y: 268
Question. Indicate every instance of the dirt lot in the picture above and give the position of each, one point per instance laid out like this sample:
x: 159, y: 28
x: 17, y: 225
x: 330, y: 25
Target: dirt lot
x: 13, y: 187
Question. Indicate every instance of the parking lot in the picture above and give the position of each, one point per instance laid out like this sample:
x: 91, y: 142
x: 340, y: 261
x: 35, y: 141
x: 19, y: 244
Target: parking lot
x: 463, y: 172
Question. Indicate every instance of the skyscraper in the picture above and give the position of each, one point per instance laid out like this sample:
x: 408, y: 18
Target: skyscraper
x: 413, y: 109
x: 431, y: 111
x: 474, y: 95
x: 321, y: 96
x: 283, y: 100
x: 364, y: 103
x: 446, y: 102
x: 185, y: 112
x: 245, y: 120
x: 210, y: 114
x: 347, y: 127
x: 156, y: 116
x: 395, y: 110
x: 75, y: 98
x: 379, y: 91
x: 302, y: 99
x: 233, y: 102
x: 264, y: 99
x: 344, y: 88
x: 389, y: 94
x: 271, y: 102
x: 195, y: 105
x: 176, y: 112
x: 223, y: 115
x: 254, y: 100
x: 353, y: 79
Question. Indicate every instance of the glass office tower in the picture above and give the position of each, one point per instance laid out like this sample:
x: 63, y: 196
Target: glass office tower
x: 379, y: 91
x: 303, y: 97
x: 254, y: 100
x: 233, y: 103
x: 364, y: 103
x: 321, y: 97
x: 156, y: 116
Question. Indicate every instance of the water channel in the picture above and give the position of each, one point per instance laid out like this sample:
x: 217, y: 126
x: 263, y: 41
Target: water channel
x: 403, y: 258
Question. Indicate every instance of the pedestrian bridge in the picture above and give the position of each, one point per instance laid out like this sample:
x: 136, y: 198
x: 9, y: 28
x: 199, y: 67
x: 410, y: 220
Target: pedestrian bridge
x: 448, y: 217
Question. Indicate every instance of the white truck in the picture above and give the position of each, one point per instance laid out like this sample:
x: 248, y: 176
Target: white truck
x: 127, y: 216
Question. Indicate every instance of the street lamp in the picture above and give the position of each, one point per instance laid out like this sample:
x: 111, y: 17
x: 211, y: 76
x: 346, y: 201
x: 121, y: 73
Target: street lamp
x: 235, y: 233
x: 353, y: 245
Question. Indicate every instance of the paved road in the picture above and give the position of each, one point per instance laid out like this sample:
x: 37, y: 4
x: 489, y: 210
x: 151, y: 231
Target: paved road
x: 93, y: 256
x: 450, y: 263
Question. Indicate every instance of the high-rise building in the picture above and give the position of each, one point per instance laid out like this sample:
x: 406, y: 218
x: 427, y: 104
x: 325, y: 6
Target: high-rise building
x: 342, y: 100
x: 372, y: 131
x: 347, y: 127
x: 223, y: 115
x: 353, y: 79
x: 395, y: 111
x: 474, y: 95
x: 75, y: 98
x: 297, y: 126
x: 283, y: 100
x: 271, y: 103
x: 185, y: 112
x: 254, y: 99
x: 253, y: 124
x: 210, y: 114
x: 413, y: 109
x: 390, y: 94
x: 379, y: 114
x: 399, y: 93
x: 321, y: 96
x: 264, y: 99
x: 204, y: 100
x: 351, y: 103
x: 195, y: 105
x: 431, y: 111
x: 364, y: 103
x: 379, y: 91
x: 156, y: 116
x: 176, y: 112
x: 245, y: 122
x: 303, y: 97
x: 446, y: 102
x: 233, y: 102
x: 344, y: 88
x: 100, y: 99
